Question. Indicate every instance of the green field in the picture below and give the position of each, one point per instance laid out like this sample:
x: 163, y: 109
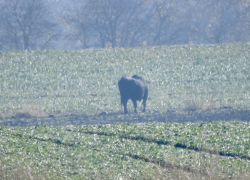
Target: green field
x: 195, y: 125
x: 212, y: 150
x: 85, y: 81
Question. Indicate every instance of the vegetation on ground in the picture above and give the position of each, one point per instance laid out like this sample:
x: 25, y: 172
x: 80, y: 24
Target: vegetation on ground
x: 85, y: 81
x: 130, y: 150
x: 74, y: 126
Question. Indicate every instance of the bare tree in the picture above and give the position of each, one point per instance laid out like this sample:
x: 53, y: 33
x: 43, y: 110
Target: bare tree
x: 31, y: 24
x: 167, y: 17
x: 77, y: 22
x: 222, y: 21
x: 102, y: 23
x: 26, y: 24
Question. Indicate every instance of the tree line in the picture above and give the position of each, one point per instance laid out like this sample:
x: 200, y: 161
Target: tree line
x: 79, y: 24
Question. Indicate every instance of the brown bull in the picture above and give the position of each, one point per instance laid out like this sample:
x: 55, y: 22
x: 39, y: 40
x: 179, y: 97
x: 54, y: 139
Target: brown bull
x: 134, y: 88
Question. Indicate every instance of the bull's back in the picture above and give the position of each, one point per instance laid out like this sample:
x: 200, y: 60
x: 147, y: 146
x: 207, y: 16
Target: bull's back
x: 136, y: 89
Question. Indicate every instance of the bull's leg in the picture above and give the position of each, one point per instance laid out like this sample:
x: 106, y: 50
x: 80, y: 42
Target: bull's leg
x: 144, y: 105
x: 135, y: 105
x: 125, y: 106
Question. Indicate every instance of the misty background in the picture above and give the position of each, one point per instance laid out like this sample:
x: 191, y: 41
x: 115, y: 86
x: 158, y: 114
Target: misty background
x: 80, y: 24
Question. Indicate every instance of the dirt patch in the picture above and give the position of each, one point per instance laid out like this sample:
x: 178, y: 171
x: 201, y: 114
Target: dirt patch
x: 28, y: 114
x: 225, y: 114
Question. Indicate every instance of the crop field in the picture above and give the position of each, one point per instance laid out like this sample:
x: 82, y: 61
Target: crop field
x: 61, y: 117
x: 211, y: 150
x: 85, y: 81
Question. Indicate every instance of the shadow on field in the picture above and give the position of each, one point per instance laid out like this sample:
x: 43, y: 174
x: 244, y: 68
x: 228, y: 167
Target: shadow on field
x: 226, y: 114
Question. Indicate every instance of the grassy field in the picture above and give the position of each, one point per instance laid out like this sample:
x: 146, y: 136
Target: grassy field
x: 69, y: 105
x: 85, y: 81
x: 211, y: 150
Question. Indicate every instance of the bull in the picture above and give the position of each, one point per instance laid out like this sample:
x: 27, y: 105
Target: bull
x: 134, y: 88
